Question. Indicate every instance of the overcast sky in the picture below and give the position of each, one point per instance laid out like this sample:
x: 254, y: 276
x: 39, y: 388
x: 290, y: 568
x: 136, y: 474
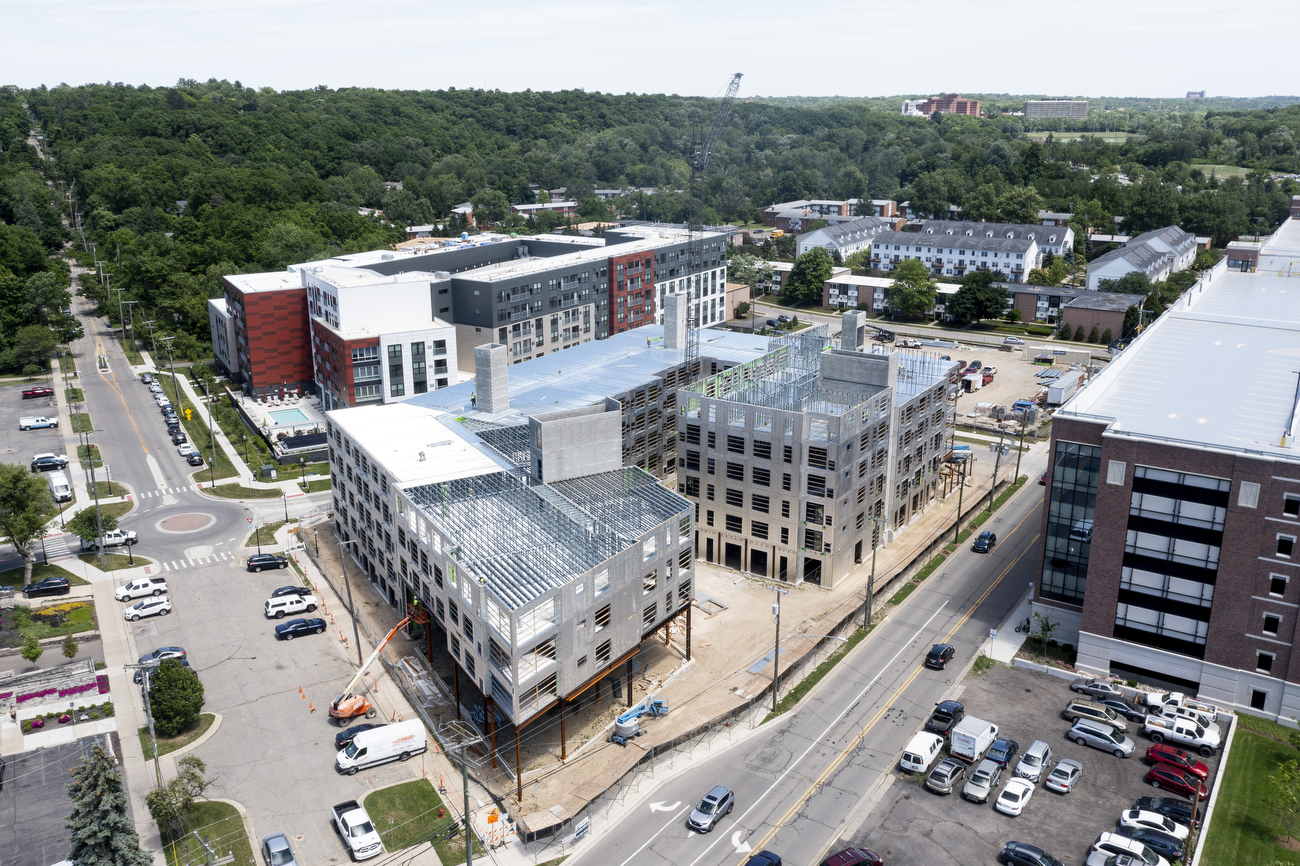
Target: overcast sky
x: 870, y: 48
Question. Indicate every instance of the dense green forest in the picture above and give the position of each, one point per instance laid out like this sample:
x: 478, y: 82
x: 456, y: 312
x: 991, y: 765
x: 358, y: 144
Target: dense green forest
x: 180, y: 185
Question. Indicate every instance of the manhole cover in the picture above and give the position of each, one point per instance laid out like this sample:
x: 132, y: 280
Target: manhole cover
x: 192, y: 522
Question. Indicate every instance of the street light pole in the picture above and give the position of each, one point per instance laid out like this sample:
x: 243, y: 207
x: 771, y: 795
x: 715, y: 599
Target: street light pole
x: 212, y: 439
x: 343, y: 563
x: 997, y: 459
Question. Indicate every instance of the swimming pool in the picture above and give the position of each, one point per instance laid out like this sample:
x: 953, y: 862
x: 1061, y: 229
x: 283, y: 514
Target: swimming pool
x: 288, y: 417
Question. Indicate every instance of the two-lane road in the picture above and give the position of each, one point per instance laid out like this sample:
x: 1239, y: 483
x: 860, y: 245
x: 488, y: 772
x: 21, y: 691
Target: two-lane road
x: 798, y: 779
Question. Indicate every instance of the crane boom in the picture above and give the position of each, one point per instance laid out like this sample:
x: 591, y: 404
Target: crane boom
x: 374, y: 655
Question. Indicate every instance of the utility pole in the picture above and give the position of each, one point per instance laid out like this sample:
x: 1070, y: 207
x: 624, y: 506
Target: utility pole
x: 212, y: 464
x: 1024, y: 415
x: 146, y: 668
x: 459, y: 737
x: 176, y: 384
x: 124, y: 324
x: 776, y: 652
x: 997, y: 459
x: 961, y: 488
x: 151, y: 340
x: 871, y: 578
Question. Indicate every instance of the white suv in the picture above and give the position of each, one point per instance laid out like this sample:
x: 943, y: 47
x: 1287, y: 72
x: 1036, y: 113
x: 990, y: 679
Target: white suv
x: 276, y: 608
x: 159, y: 606
x: 141, y: 587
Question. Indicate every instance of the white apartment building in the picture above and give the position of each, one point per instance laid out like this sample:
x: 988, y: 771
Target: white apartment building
x: 1058, y: 240
x: 958, y: 254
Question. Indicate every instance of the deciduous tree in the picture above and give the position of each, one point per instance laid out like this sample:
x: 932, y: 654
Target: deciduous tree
x: 170, y: 804
x: 978, y: 298
x: 84, y: 525
x: 811, y: 270
x: 25, y: 506
x: 912, y: 293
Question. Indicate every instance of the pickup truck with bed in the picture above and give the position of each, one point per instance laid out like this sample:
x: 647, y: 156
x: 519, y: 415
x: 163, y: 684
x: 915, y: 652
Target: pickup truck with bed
x: 358, y: 830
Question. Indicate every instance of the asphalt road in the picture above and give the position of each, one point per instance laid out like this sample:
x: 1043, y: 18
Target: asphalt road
x: 801, y: 780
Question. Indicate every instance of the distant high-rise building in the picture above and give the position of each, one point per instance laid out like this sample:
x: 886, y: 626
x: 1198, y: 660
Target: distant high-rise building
x: 1196, y: 94
x: 952, y: 103
x: 1075, y: 109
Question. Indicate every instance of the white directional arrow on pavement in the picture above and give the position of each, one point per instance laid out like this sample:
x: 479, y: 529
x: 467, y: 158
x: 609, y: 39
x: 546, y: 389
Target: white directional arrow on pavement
x: 741, y: 847
x: 661, y: 806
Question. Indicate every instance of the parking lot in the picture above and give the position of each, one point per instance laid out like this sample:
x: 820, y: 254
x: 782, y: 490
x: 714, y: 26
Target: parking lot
x: 18, y: 446
x: 34, y: 803
x: 912, y: 826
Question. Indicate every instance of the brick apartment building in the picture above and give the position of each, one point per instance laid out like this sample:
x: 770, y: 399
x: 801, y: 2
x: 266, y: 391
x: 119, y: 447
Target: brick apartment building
x: 952, y: 103
x: 1173, y: 510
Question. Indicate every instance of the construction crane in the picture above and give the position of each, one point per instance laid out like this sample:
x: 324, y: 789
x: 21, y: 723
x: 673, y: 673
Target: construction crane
x: 349, y: 706
x: 701, y: 153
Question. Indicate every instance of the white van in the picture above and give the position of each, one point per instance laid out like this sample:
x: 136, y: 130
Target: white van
x: 386, y: 743
x: 60, y: 489
x: 921, y: 752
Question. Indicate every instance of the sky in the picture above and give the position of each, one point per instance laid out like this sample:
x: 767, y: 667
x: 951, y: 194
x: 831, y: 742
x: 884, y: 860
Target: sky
x: 829, y: 48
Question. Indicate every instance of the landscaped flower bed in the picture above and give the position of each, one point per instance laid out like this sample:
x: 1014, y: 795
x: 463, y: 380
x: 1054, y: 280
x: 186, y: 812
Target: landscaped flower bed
x: 91, y: 713
x: 102, y: 682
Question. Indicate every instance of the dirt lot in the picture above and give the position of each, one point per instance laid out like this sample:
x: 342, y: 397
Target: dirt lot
x: 911, y: 826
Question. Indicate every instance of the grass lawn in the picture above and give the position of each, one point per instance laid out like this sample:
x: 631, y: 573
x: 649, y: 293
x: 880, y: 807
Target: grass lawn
x: 81, y: 424
x: 236, y: 491
x: 69, y: 617
x: 197, y: 429
x: 1245, y: 828
x: 1223, y: 170
x: 167, y: 745
x: 114, y: 561
x: 116, y: 509
x: 132, y: 353
x: 265, y: 534
x: 319, y: 484
x: 74, y: 395
x: 412, y: 807
x: 106, y: 490
x: 220, y: 825
x: 805, y: 685
x: 14, y: 576
x: 67, y: 363
x: 223, y: 468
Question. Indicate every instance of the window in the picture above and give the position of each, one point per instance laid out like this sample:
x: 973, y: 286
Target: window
x: 649, y: 549
x: 759, y: 503
x: 712, y: 466
x: 708, y: 518
x: 649, y: 582
x: 735, y: 471
x: 789, y: 454
x: 1248, y: 495
x: 1115, y: 472
x: 736, y: 444
x: 763, y: 449
x: 1285, y: 544
x: 1291, y: 505
x: 397, y: 389
x: 816, y: 485
x: 1258, y: 698
x: 602, y: 653
x: 648, y: 615
x: 684, y: 592
x: 785, y: 535
x: 761, y: 477
x: 602, y: 619
x: 736, y: 498
x: 1272, y: 623
x: 710, y: 493
x: 757, y: 529
x: 1263, y: 662
x: 469, y: 629
x: 735, y: 523
x: 785, y: 508
x: 1277, y: 584
x: 785, y: 481
x: 455, y: 613
x: 712, y: 437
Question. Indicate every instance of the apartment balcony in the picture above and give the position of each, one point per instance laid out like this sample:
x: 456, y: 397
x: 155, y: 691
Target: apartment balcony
x: 519, y: 316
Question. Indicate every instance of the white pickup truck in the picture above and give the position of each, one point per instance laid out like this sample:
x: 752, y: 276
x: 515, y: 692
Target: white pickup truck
x: 1182, y: 731
x: 112, y: 538
x: 358, y: 830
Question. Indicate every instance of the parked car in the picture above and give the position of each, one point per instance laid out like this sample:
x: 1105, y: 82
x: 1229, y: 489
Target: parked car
x: 343, y: 737
x: 985, y: 542
x: 1003, y: 751
x: 1154, y: 821
x: 1098, y: 687
x: 290, y: 590
x: 297, y: 627
x: 194, y: 459
x: 49, y: 462
x: 1024, y: 854
x: 1175, y: 757
x: 946, y: 776
x: 1176, y: 780
x: 1013, y: 341
x: 163, y: 652
x: 277, y: 851
x: 48, y: 586
x: 1064, y: 775
x: 38, y: 391
x: 185, y: 449
x: 771, y: 323
x: 975, y: 365
x: 277, y: 608
x: 1014, y: 797
x: 709, y: 811
x: 1130, y: 710
x: 1103, y: 737
x: 1042, y: 480
x: 36, y: 422
x: 160, y: 606
x: 1114, y: 843
x: 1168, y: 847
x: 945, y: 717
x: 147, y: 379
x: 259, y: 561
x: 1179, y: 810
x: 140, y: 587
x: 1034, y: 762
x: 854, y: 857
x: 1094, y: 712
x: 178, y: 436
x: 982, y: 782
x: 783, y: 318
x: 939, y: 656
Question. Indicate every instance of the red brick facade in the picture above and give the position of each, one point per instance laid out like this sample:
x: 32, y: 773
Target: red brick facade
x: 631, y: 291
x: 333, y: 350
x: 952, y: 103
x: 272, y: 339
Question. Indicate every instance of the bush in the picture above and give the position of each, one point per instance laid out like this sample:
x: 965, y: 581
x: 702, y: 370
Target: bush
x: 1079, y: 336
x: 1106, y: 336
x: 1093, y: 335
x: 175, y: 697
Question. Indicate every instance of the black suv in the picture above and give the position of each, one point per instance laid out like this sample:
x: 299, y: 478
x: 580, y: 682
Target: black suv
x: 194, y: 458
x: 48, y: 463
x: 945, y: 717
x: 939, y: 656
x: 48, y: 586
x: 178, y: 436
x: 985, y: 543
x: 259, y: 561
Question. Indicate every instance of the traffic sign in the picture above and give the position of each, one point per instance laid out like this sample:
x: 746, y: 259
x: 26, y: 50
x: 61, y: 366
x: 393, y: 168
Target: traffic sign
x: 250, y: 520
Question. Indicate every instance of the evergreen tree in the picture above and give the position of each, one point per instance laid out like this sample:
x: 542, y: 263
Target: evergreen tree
x: 1106, y: 336
x: 1079, y: 335
x: 175, y: 696
x: 103, y: 833
x: 1093, y: 335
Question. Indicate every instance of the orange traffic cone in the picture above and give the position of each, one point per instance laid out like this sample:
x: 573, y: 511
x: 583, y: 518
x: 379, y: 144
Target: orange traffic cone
x: 310, y: 707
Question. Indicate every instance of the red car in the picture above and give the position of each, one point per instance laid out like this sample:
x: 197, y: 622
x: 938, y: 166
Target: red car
x: 1173, y: 779
x: 853, y: 857
x: 38, y: 392
x: 1179, y: 759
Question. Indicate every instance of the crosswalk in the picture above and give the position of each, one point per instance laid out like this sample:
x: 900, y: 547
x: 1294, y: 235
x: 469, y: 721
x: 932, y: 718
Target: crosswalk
x: 214, y: 559
x: 56, y: 546
x: 163, y: 491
